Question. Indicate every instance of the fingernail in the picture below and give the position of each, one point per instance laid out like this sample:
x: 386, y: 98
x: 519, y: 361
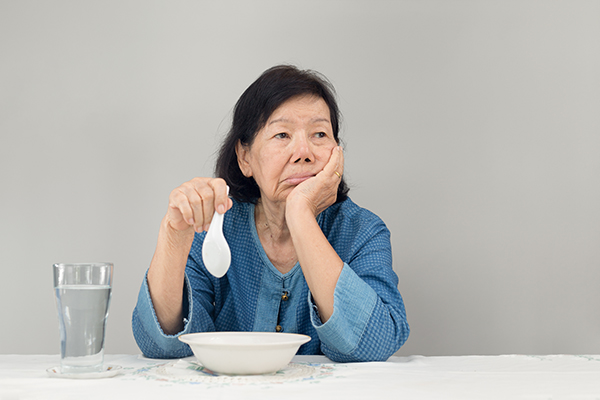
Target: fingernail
x: 221, y: 209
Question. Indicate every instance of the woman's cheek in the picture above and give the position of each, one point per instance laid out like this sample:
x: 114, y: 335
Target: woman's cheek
x: 327, y: 154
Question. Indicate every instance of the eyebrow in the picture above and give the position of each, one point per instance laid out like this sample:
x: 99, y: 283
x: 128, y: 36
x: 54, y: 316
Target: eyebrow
x: 314, y: 120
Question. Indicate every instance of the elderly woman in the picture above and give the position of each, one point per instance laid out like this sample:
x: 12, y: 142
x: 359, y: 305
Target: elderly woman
x: 304, y: 257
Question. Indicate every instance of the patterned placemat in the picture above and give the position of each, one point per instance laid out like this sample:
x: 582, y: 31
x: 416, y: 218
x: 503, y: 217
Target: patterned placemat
x: 186, y: 371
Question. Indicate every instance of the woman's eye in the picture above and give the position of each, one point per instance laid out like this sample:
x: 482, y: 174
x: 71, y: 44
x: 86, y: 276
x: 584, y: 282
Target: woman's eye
x: 281, y: 135
x: 320, y: 134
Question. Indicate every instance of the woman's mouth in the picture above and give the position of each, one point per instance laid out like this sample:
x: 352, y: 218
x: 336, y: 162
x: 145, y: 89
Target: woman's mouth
x: 298, y: 179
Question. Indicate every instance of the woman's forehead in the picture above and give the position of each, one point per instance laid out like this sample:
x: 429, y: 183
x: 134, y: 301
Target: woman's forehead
x: 311, y: 109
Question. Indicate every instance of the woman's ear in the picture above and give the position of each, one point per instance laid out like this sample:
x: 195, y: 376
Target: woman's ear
x: 242, y: 157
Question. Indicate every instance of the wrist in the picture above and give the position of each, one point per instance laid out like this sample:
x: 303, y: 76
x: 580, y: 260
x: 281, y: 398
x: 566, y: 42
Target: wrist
x: 297, y: 217
x: 298, y: 205
x: 175, y: 238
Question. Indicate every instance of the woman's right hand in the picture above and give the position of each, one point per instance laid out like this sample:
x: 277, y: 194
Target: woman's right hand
x: 192, y: 205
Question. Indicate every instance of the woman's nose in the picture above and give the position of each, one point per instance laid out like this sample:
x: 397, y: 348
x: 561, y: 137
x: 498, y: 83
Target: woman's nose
x: 302, y: 151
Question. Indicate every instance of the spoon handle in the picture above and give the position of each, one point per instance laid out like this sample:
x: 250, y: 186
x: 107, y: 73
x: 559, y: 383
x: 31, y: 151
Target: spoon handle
x: 217, y: 219
x: 217, y: 223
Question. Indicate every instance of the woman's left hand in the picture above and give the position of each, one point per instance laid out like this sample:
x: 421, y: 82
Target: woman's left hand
x: 319, y: 192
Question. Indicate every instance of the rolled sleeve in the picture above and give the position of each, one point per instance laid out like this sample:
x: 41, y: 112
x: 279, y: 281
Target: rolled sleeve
x: 353, y: 304
x: 150, y: 337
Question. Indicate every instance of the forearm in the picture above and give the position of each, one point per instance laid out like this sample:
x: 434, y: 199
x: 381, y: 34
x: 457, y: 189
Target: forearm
x: 320, y: 263
x: 166, y: 276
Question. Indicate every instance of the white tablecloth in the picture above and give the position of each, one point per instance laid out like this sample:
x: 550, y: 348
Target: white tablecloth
x: 312, y: 378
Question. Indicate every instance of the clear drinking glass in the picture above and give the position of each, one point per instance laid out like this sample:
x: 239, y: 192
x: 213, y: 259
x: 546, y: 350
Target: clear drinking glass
x: 83, y: 292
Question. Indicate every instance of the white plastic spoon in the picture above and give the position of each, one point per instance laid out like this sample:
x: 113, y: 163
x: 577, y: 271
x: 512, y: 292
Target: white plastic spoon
x: 215, y: 250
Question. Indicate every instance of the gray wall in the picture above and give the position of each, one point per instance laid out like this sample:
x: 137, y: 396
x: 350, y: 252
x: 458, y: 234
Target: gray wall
x: 471, y: 127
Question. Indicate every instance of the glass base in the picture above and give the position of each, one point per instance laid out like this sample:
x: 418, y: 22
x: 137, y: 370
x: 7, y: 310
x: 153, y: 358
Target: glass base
x: 108, y: 371
x: 68, y: 369
x: 83, y: 364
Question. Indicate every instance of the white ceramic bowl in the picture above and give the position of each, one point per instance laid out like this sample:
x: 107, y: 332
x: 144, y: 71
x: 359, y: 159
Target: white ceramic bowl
x: 244, y: 353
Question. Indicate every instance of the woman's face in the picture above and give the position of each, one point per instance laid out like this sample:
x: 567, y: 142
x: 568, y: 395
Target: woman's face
x: 293, y: 146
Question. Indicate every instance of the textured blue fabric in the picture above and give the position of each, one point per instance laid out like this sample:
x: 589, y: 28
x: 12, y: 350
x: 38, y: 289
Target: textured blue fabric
x: 369, y: 319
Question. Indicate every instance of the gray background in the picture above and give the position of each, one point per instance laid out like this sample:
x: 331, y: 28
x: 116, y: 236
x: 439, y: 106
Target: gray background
x: 471, y: 127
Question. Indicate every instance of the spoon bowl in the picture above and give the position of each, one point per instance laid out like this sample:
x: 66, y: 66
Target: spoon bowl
x: 215, y: 250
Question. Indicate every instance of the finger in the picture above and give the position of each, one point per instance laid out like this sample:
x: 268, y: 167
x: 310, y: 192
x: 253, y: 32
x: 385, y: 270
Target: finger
x: 340, y: 162
x: 180, y: 210
x: 221, y: 199
x: 196, y: 203
x: 335, y: 165
x: 206, y: 207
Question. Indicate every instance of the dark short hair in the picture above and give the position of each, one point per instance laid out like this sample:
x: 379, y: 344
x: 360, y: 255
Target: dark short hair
x: 251, y: 112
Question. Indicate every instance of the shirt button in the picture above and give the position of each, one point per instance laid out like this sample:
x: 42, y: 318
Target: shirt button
x: 285, y: 296
x: 278, y: 328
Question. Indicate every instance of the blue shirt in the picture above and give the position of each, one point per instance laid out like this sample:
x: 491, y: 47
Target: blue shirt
x: 368, y: 321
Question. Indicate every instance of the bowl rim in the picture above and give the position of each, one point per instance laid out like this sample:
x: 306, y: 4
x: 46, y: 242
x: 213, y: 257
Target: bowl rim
x: 294, y: 338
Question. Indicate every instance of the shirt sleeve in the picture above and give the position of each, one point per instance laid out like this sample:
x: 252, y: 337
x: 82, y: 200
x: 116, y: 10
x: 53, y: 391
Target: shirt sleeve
x: 369, y: 320
x: 354, y: 301
x: 151, y: 339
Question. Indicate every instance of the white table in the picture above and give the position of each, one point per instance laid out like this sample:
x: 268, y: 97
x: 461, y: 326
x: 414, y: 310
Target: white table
x: 314, y: 377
